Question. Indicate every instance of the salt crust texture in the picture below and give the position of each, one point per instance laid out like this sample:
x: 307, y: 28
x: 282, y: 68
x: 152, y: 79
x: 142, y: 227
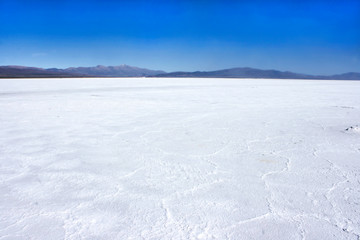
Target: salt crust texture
x: 179, y: 159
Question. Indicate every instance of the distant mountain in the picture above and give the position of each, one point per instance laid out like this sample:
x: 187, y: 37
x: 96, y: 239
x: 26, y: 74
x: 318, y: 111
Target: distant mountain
x: 31, y: 72
x: 346, y: 76
x: 98, y: 71
x: 111, y: 71
x: 257, y: 73
x: 129, y: 71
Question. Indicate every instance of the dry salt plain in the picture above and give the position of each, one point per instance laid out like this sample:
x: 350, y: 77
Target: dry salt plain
x: 179, y: 159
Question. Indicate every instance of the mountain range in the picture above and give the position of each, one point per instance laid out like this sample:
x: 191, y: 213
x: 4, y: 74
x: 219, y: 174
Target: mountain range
x: 130, y: 71
x: 258, y: 73
x: 97, y: 71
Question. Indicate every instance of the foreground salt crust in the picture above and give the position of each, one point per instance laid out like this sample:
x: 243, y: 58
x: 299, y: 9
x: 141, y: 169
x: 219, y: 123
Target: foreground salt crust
x: 179, y: 159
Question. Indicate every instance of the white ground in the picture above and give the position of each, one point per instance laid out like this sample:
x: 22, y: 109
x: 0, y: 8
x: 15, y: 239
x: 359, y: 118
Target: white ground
x: 179, y: 159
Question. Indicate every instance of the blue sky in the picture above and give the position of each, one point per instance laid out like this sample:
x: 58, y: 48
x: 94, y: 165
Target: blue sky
x: 317, y: 37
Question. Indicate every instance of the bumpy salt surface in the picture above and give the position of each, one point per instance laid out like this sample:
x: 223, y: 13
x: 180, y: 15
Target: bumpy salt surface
x: 179, y: 159
x: 355, y: 129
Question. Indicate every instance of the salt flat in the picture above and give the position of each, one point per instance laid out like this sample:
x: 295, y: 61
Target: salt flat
x: 179, y: 159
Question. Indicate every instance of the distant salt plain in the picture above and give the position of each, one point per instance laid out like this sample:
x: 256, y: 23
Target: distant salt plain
x: 179, y: 159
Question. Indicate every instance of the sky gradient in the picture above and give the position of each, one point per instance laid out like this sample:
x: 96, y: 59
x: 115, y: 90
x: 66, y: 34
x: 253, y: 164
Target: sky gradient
x: 314, y: 37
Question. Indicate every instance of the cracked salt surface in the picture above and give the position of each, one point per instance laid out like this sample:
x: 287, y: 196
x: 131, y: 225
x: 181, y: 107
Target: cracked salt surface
x: 179, y: 159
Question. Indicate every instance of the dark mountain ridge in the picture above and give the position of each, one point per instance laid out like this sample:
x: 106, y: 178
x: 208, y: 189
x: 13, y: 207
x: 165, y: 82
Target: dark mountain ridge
x: 31, y: 72
x: 97, y: 71
x: 130, y: 71
x: 258, y: 73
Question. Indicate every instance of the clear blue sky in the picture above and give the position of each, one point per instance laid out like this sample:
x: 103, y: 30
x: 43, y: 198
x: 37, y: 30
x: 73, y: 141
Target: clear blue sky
x: 317, y: 36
